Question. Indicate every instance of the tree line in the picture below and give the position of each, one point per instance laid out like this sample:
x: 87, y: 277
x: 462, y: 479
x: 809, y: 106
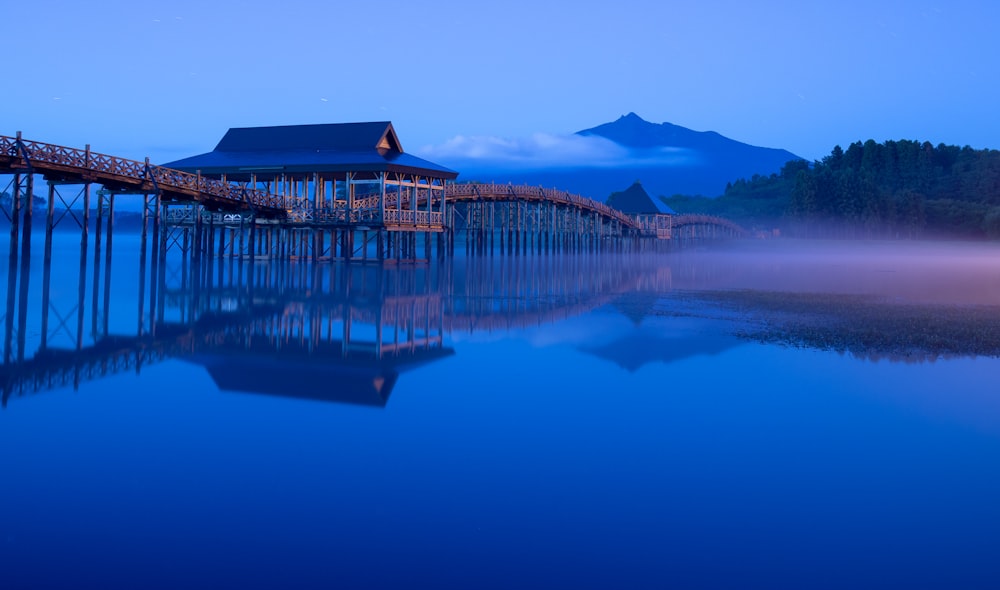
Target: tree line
x: 892, y: 189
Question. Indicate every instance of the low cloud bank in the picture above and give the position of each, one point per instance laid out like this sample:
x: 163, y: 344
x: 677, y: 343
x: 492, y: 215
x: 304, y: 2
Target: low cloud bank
x: 548, y: 151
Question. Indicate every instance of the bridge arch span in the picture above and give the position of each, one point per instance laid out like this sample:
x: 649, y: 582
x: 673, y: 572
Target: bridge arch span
x: 696, y: 226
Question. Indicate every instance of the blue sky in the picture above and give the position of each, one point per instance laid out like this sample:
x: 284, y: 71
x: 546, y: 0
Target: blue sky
x: 166, y: 79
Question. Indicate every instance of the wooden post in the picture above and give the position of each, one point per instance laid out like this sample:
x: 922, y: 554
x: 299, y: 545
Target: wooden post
x: 82, y: 283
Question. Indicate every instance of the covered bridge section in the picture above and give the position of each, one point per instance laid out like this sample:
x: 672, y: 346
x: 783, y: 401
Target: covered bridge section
x: 653, y: 219
x: 656, y: 220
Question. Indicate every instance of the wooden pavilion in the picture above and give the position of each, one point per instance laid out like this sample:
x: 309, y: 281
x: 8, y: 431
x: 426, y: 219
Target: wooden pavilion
x: 339, y: 178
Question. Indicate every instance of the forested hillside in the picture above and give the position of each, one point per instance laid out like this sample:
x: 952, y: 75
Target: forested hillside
x: 893, y: 189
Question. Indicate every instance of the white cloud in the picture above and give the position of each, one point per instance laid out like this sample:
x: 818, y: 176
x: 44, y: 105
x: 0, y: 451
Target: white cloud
x: 544, y: 150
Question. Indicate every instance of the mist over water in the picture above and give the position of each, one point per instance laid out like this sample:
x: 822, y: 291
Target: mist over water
x: 959, y: 273
x: 675, y: 420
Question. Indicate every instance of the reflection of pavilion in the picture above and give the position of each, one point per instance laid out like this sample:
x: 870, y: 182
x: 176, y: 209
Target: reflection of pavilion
x: 337, y: 332
x: 358, y: 378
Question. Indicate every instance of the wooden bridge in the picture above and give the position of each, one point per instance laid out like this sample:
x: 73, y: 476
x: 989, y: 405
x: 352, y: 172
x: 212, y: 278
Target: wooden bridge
x: 220, y: 217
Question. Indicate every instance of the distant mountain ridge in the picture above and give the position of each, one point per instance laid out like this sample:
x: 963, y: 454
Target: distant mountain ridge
x: 632, y: 131
x: 668, y: 159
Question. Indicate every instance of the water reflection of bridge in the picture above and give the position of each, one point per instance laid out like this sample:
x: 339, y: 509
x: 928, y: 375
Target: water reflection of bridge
x: 341, y: 332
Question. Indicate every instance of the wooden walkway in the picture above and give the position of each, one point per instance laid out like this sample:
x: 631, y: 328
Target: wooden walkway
x: 473, y: 192
x: 74, y: 166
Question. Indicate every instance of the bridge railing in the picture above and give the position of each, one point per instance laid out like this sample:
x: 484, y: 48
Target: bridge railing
x: 407, y: 217
x: 696, y: 219
x: 367, y: 202
x: 469, y: 190
x: 347, y: 216
x: 136, y: 171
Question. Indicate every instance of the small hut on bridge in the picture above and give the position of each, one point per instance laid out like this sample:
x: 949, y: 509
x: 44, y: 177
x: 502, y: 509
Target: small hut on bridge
x: 653, y: 217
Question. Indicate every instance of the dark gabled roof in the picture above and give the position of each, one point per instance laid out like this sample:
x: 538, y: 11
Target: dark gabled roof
x: 342, y: 137
x: 331, y: 148
x: 636, y: 201
x: 326, y: 374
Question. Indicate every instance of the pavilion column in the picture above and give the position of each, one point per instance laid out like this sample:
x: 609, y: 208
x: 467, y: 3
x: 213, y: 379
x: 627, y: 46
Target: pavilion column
x: 381, y: 200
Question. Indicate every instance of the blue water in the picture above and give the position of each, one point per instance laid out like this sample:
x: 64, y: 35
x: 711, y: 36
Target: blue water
x: 569, y: 431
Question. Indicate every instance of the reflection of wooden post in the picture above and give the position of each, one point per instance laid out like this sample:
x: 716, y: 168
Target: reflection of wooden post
x: 346, y: 335
x: 11, y: 291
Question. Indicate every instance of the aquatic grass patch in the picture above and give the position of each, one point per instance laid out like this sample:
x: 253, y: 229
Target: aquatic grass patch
x: 862, y: 325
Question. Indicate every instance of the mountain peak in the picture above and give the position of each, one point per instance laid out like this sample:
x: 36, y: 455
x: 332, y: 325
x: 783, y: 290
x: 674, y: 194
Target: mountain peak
x: 632, y: 117
x: 633, y: 131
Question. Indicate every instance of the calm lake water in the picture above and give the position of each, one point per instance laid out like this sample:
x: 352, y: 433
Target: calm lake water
x: 533, y: 422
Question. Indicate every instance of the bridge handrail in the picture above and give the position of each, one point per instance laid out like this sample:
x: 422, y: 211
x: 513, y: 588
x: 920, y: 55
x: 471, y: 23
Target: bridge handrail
x: 135, y: 170
x: 697, y: 218
x: 473, y: 190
